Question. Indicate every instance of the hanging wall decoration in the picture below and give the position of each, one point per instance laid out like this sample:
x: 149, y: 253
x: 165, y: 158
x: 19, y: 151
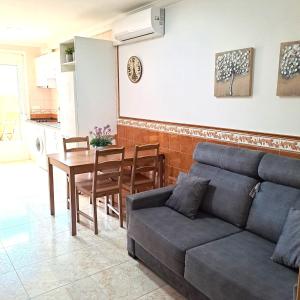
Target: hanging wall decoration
x: 289, y: 69
x: 233, y: 73
x: 134, y: 69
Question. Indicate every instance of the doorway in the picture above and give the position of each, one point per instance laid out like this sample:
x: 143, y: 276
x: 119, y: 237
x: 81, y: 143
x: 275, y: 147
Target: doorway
x: 12, y: 87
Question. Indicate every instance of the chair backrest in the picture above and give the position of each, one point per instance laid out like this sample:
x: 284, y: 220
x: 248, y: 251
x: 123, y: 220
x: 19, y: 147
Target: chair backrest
x: 108, y: 165
x: 145, y: 160
x: 76, y: 140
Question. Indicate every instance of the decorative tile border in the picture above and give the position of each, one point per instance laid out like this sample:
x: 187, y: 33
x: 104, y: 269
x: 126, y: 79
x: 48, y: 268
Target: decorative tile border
x: 279, y: 143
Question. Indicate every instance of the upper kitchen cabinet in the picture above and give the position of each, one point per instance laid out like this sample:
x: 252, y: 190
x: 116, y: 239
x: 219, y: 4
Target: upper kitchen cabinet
x: 46, y: 68
x: 67, y: 55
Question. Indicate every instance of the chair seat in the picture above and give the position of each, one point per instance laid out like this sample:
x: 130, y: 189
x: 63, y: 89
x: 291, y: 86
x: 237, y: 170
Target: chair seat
x: 103, y: 187
x: 82, y: 177
x: 140, y: 180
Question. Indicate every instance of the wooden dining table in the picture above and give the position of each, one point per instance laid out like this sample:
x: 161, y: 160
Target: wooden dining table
x: 73, y: 163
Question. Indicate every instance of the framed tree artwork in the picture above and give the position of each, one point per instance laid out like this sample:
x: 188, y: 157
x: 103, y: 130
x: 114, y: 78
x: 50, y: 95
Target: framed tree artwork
x: 233, y: 73
x: 289, y: 69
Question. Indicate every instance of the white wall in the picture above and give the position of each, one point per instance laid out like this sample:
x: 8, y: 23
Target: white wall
x: 178, y: 79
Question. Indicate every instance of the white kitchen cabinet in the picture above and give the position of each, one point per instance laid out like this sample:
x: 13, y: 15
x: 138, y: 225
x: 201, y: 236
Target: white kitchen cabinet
x: 53, y: 140
x: 46, y: 68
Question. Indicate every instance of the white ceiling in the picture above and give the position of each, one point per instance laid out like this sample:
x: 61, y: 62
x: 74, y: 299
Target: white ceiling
x: 44, y: 22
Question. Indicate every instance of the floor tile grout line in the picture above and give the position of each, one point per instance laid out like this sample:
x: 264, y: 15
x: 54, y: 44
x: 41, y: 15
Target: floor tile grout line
x: 14, y: 245
x: 79, y: 279
x: 90, y: 275
x: 148, y: 293
x: 48, y: 259
x: 59, y: 287
x: 38, y: 222
x: 17, y: 275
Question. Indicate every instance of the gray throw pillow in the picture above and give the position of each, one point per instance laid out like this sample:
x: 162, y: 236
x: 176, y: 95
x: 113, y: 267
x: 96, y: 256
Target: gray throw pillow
x: 287, y: 250
x: 188, y: 194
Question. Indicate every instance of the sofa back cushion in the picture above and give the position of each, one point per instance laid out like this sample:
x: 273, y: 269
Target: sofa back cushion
x: 279, y: 192
x: 233, y: 173
x: 281, y: 170
x: 227, y: 196
x: 241, y: 161
x: 270, y: 208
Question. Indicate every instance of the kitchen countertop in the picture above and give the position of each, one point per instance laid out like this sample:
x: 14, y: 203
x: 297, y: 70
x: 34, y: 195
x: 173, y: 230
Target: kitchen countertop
x: 53, y: 124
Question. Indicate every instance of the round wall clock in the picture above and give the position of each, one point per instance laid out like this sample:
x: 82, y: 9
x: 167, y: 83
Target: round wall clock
x: 134, y: 69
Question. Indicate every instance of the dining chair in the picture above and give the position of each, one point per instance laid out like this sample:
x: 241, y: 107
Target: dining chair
x: 106, y: 181
x: 76, y: 140
x: 76, y: 144
x: 144, y: 169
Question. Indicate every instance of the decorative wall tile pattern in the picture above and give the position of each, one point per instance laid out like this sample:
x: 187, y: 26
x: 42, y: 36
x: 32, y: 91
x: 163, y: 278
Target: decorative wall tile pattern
x: 272, y: 142
x: 178, y: 142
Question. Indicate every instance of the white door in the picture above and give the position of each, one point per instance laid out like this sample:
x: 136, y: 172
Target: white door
x: 95, y: 76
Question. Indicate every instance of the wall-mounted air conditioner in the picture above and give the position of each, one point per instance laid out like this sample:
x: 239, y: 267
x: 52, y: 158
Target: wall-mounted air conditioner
x: 145, y: 24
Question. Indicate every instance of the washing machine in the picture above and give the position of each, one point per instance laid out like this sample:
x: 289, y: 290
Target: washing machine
x: 40, y: 148
x: 35, y: 136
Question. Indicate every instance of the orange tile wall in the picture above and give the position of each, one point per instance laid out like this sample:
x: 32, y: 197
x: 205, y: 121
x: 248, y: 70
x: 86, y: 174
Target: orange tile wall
x: 178, y: 149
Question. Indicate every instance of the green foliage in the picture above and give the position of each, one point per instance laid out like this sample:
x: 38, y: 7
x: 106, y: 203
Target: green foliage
x: 101, y: 136
x: 101, y: 142
x: 69, y: 50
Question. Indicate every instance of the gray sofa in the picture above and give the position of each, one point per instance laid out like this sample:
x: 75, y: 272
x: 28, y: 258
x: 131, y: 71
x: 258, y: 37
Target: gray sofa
x: 225, y: 252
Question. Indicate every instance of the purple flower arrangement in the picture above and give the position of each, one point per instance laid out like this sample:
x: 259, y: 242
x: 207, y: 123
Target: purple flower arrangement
x: 101, y: 136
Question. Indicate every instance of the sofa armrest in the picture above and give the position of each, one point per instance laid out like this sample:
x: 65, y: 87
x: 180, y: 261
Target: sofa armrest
x: 148, y: 199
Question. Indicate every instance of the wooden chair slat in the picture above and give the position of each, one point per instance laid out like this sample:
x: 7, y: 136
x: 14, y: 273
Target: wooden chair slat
x: 77, y: 139
x: 145, y: 169
x: 109, y: 151
x: 77, y: 149
x: 147, y: 147
x: 108, y: 165
x: 109, y: 175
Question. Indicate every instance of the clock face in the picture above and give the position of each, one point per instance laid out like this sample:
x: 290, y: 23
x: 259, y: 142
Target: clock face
x: 134, y: 69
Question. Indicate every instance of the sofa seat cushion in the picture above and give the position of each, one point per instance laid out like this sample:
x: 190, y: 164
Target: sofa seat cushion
x: 239, y: 267
x: 167, y: 234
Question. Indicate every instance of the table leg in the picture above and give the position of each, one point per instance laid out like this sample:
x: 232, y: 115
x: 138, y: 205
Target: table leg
x: 161, y: 172
x: 51, y: 188
x: 72, y: 203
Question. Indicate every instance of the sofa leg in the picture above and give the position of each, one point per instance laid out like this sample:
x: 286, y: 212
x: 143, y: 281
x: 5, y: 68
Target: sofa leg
x: 131, y: 247
x: 132, y: 255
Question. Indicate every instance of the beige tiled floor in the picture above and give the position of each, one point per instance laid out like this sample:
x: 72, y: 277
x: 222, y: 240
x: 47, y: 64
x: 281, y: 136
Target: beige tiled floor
x: 39, y: 259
